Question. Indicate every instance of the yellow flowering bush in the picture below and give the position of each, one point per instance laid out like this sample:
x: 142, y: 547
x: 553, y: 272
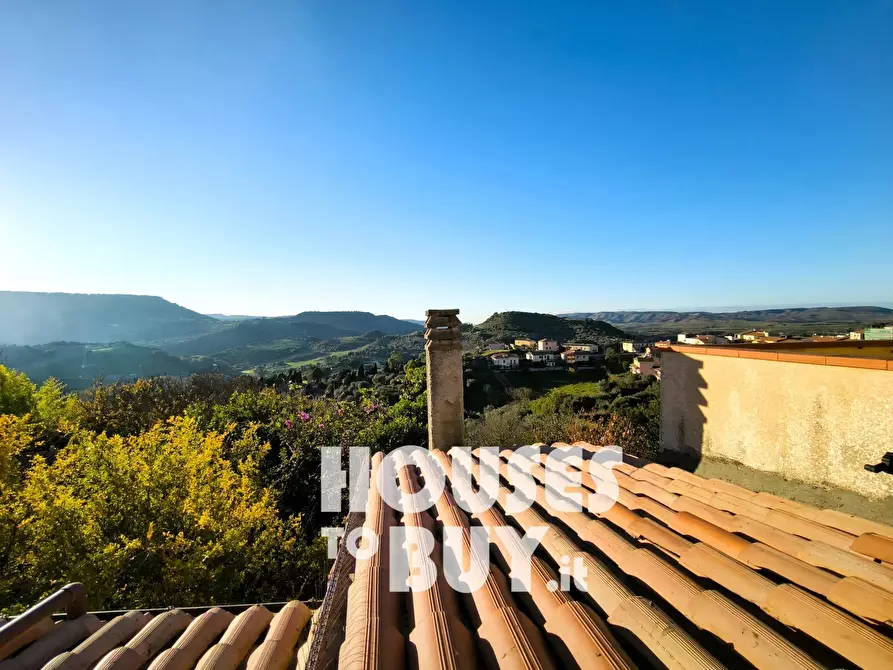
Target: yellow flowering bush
x: 163, y: 517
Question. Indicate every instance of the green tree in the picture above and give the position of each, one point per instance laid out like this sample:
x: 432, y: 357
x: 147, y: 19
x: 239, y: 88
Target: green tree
x: 16, y: 392
x: 395, y: 362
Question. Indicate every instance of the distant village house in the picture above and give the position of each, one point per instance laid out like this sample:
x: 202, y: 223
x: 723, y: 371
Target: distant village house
x: 546, y: 358
x: 752, y: 335
x: 685, y: 338
x: 547, y: 345
x: 575, y: 357
x: 581, y: 346
x: 505, y: 360
x: 523, y: 343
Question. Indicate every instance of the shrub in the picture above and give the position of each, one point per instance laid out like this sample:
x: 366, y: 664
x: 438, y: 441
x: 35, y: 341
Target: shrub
x: 16, y: 392
x: 163, y: 517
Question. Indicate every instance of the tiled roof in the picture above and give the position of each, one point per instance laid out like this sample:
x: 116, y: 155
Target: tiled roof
x: 254, y: 637
x: 683, y: 572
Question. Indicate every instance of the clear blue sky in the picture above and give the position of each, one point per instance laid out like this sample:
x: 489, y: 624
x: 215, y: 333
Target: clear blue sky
x: 270, y: 157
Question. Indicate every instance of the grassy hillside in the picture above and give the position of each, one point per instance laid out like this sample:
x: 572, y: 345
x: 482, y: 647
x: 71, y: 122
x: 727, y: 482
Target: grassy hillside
x: 791, y: 321
x: 509, y: 325
x: 36, y: 318
x: 77, y: 364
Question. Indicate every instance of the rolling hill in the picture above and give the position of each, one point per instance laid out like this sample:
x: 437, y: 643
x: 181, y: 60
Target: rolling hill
x: 255, y: 332
x: 36, y: 318
x: 356, y: 322
x: 509, y: 325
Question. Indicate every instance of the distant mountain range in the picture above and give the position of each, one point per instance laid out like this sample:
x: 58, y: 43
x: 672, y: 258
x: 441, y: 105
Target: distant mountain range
x: 79, y: 337
x: 37, y: 318
x: 786, y: 315
x: 793, y: 320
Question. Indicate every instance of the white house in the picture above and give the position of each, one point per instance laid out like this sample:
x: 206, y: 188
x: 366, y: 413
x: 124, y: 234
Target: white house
x: 547, y: 345
x: 496, y: 346
x: 504, y: 360
x: 546, y: 358
x: 581, y: 346
x: 632, y: 347
x: 685, y: 338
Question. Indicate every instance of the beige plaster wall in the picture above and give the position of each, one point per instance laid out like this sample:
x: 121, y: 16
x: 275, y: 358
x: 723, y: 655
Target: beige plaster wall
x: 816, y: 423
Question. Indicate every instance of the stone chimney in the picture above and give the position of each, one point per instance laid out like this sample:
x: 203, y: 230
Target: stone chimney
x: 446, y: 397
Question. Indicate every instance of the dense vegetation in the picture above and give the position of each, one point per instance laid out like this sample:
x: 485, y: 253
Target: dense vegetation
x: 620, y: 409
x: 509, y: 325
x: 206, y: 489
x: 186, y: 491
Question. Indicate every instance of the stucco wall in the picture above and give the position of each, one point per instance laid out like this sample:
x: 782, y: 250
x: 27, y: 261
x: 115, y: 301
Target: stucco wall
x: 816, y: 423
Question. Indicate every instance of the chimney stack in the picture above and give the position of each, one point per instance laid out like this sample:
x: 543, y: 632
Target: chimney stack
x: 446, y: 398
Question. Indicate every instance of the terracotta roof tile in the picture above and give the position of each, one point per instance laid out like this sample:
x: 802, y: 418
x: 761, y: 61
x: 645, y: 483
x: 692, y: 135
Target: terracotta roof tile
x: 682, y: 572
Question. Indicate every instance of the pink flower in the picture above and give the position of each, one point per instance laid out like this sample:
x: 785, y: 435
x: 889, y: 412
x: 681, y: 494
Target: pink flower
x: 288, y: 423
x: 340, y: 411
x: 304, y: 416
x: 322, y: 425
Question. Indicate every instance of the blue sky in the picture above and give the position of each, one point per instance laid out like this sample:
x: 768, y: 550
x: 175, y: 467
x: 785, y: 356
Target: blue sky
x: 271, y: 157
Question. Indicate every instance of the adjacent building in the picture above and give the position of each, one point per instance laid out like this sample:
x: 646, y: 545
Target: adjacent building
x: 814, y: 411
x: 547, y: 345
x: 523, y: 343
x: 496, y: 346
x: 631, y: 347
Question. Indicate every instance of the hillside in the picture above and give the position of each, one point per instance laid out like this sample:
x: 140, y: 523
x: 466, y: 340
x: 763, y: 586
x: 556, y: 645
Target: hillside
x: 255, y: 332
x: 790, y: 321
x: 77, y: 364
x: 36, y: 318
x: 356, y: 322
x: 509, y: 325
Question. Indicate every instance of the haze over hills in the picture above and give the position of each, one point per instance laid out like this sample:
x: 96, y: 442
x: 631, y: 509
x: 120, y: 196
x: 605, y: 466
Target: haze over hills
x: 38, y: 318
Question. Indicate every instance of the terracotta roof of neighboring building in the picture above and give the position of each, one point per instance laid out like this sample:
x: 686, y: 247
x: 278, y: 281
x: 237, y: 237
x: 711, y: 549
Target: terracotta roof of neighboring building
x: 681, y: 572
x: 255, y: 637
